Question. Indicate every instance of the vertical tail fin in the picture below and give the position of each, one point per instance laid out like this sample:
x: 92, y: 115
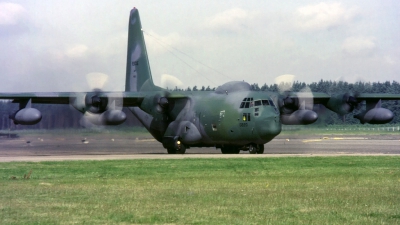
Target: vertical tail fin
x: 138, y: 74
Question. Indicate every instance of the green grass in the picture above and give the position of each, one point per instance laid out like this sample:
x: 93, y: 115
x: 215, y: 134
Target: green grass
x: 315, y: 190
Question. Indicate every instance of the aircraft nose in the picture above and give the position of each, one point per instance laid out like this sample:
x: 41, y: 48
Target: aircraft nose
x: 269, y: 128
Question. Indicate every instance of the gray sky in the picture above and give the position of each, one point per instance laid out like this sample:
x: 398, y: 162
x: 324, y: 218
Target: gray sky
x: 52, y: 45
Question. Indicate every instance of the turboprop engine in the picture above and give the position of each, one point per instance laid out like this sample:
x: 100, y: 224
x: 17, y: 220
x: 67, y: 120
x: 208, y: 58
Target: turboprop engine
x: 343, y: 104
x: 295, y: 110
x: 374, y: 113
x: 99, y: 108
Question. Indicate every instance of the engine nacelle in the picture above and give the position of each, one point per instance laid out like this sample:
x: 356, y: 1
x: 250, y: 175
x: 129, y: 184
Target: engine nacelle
x: 109, y: 117
x: 299, y: 117
x: 27, y: 116
x: 375, y: 116
x: 112, y: 117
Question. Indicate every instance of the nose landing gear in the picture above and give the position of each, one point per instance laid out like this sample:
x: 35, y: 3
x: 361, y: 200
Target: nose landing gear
x: 174, y: 145
x: 256, y: 149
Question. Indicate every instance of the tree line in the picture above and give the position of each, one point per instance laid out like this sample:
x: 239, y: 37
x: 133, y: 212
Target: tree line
x: 64, y: 116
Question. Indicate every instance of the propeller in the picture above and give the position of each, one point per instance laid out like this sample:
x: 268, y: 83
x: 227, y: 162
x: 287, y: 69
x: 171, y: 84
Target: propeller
x: 352, y: 100
x: 171, y: 82
x: 284, y: 82
x: 289, y: 101
x: 99, y: 108
x: 296, y: 108
x: 162, y: 102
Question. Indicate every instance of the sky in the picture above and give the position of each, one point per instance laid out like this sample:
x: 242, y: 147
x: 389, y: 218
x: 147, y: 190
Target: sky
x: 52, y: 45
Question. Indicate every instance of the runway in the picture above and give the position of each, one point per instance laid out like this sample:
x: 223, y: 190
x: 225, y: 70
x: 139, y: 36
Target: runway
x: 56, y: 147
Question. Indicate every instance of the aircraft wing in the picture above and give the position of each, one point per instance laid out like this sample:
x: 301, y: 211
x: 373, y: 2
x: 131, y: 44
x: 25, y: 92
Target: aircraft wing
x: 295, y: 107
x: 378, y: 96
x: 105, y: 107
x: 129, y: 99
x: 323, y: 98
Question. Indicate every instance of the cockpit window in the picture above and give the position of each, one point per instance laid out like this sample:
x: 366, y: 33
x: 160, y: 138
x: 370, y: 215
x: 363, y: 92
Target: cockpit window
x: 271, y: 103
x: 264, y: 102
x: 246, y: 103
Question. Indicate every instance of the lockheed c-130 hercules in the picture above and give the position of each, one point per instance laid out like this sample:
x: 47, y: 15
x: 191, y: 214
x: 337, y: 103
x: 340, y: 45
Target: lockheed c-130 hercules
x: 232, y: 118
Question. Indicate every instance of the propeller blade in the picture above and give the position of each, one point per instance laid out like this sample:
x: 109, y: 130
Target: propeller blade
x: 284, y: 82
x: 171, y: 82
x: 96, y: 81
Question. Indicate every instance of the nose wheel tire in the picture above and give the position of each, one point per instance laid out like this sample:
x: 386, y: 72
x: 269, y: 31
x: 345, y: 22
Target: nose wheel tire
x: 180, y: 150
x: 256, y: 149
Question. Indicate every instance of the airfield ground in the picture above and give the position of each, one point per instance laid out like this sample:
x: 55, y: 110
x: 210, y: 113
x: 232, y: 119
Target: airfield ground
x: 38, y: 146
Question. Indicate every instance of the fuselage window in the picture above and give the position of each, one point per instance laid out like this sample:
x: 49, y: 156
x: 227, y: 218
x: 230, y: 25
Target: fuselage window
x: 256, y: 111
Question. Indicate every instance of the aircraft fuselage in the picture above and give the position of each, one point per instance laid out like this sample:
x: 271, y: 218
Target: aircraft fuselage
x: 207, y: 118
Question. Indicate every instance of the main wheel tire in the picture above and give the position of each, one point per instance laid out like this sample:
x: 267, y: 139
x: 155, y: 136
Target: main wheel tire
x: 260, y: 149
x: 230, y: 150
x: 253, y: 149
x: 182, y: 150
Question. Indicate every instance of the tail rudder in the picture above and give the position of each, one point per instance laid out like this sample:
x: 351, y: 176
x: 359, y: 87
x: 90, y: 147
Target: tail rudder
x: 138, y: 74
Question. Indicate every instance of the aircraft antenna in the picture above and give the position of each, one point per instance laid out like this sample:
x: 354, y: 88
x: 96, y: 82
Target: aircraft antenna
x: 187, y: 64
x: 189, y: 56
x: 165, y: 45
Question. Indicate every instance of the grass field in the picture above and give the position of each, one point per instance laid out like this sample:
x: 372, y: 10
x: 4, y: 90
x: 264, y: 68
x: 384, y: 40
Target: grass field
x: 314, y: 190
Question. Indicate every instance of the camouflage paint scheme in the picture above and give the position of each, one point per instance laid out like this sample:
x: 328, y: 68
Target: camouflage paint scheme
x: 232, y: 117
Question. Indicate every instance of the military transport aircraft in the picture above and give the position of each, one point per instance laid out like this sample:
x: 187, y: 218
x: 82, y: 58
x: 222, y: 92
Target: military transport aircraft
x: 232, y: 118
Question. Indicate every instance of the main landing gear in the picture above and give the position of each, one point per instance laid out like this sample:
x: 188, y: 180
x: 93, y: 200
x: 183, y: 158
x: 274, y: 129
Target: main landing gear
x: 252, y: 148
x: 230, y: 150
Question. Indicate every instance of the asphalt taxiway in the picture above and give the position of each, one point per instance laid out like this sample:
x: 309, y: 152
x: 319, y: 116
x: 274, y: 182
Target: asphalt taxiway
x: 47, y: 147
